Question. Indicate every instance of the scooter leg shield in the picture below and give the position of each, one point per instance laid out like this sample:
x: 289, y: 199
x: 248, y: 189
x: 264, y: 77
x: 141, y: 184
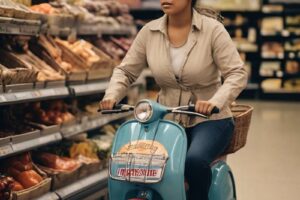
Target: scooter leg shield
x: 223, y: 186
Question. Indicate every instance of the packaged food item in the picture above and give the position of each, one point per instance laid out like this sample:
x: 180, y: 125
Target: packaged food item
x: 55, y: 162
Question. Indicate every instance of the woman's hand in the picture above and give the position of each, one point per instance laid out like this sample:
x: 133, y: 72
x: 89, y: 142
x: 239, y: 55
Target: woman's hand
x: 204, y: 107
x: 107, y: 104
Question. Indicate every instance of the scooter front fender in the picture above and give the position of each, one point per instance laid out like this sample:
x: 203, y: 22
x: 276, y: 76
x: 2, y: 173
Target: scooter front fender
x: 173, y: 138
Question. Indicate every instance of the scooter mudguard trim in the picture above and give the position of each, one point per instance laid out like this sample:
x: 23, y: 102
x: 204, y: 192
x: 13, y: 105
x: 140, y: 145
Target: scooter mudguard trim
x: 173, y: 139
x: 222, y: 187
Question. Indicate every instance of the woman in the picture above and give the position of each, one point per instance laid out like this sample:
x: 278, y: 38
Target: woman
x: 187, y: 53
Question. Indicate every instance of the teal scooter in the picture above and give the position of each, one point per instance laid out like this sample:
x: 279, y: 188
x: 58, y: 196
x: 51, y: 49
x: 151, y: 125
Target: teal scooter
x: 148, y: 157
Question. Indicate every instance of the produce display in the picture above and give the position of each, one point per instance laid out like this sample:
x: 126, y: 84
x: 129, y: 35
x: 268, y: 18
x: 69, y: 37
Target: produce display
x: 12, y: 122
x: 272, y: 50
x: 110, y: 9
x: 92, y: 58
x: 272, y: 25
x: 54, y: 162
x: 293, y: 67
x: 22, y: 169
x: 45, y: 8
x: 270, y: 68
x: 47, y: 47
x: 49, y: 113
x: 9, y: 8
x: 99, y: 12
x: 16, y: 55
x: 116, y: 48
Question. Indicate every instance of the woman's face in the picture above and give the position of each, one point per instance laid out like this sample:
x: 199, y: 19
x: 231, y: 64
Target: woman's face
x: 173, y: 7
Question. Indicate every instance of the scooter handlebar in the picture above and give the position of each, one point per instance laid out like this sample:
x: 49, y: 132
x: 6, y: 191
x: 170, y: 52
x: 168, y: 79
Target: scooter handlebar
x: 118, y: 108
x: 215, y: 110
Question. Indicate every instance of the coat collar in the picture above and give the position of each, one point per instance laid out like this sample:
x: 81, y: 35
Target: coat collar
x: 161, y: 23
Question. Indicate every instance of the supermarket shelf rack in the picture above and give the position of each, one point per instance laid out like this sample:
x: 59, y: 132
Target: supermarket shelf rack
x: 33, y: 95
x: 91, y: 187
x: 27, y: 141
x: 19, y: 26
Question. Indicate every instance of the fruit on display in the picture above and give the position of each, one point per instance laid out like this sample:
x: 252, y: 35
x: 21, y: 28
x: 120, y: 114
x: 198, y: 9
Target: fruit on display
x: 292, y: 67
x: 29, y: 178
x: 45, y: 8
x: 55, y: 162
x: 49, y: 113
x: 21, y: 168
x: 11, y: 8
x: 115, y: 47
x: 6, y: 187
x: 110, y: 10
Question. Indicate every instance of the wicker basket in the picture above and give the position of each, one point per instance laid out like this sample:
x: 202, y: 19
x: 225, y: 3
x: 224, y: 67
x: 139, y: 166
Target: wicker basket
x: 242, y: 118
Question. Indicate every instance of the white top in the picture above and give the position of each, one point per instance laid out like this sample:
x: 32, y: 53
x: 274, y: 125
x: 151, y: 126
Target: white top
x: 178, y: 57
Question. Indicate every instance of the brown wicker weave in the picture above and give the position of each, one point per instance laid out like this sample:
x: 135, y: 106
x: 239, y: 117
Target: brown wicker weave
x: 242, y: 118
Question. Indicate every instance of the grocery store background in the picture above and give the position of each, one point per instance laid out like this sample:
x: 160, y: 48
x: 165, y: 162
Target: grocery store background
x: 56, y: 60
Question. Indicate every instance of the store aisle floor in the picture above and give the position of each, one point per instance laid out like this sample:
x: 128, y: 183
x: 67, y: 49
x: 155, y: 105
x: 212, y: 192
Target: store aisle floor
x: 267, y: 168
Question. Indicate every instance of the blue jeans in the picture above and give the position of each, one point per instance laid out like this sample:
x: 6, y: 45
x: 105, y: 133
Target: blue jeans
x: 206, y: 142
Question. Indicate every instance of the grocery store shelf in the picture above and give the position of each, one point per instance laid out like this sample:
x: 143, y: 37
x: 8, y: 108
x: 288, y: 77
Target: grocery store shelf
x: 105, y: 30
x: 272, y: 58
x: 33, y: 95
x: 281, y: 91
x: 27, y: 141
x: 89, y: 88
x: 84, y: 187
x: 90, y: 124
x: 280, y: 35
x: 48, y: 196
x: 19, y: 26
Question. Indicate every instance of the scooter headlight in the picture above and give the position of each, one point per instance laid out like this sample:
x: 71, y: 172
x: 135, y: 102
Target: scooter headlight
x: 143, y: 111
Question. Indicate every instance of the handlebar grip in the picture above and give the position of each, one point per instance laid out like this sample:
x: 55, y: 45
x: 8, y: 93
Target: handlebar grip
x: 116, y: 109
x: 215, y: 110
x: 111, y: 111
x: 192, y: 108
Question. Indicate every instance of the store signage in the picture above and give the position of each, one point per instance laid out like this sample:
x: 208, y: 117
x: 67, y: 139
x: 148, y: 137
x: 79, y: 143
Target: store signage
x: 139, y: 172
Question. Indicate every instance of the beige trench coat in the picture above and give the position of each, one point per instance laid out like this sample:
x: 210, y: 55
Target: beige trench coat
x: 211, y: 54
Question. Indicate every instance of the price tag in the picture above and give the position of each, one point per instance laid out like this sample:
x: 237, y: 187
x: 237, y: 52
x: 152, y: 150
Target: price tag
x: 9, y: 28
x: 81, y: 88
x: 61, y: 91
x: 10, y: 97
x: 31, y: 30
x: 47, y: 92
x: 24, y: 95
x: 46, y: 139
x: 72, y: 130
x: 25, y: 145
x: 5, y: 150
x: 2, y: 99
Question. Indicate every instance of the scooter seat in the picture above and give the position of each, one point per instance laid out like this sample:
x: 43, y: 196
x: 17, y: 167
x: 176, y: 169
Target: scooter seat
x: 221, y: 158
